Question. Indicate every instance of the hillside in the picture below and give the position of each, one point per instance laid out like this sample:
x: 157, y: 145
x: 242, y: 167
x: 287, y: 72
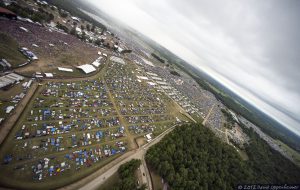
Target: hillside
x: 9, y: 50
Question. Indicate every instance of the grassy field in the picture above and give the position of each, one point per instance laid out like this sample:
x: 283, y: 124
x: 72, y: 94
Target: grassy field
x: 110, y: 182
x: 54, y: 183
x: 197, y: 118
x: 9, y: 50
x: 141, y: 141
x: 242, y: 153
x: 156, y: 181
x: 6, y: 96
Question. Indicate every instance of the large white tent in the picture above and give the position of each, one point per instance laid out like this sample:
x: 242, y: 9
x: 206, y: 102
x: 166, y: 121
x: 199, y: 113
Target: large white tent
x: 87, y: 68
x: 117, y: 60
x: 97, y: 62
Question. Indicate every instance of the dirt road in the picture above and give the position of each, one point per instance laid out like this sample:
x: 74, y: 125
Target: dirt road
x: 206, y: 118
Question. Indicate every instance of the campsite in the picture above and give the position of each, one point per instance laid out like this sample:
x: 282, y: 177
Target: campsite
x: 80, y: 125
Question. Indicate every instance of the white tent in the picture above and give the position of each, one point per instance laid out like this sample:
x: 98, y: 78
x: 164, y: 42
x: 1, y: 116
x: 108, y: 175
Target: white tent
x: 64, y: 69
x: 49, y: 75
x: 97, y: 62
x: 87, y: 68
x: 142, y: 77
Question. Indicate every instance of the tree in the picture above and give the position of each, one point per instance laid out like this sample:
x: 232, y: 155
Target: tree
x: 88, y: 27
x: 73, y: 31
x: 93, y: 28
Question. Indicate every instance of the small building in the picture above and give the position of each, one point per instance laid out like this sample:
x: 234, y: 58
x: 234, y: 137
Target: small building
x: 97, y: 62
x: 49, y: 75
x: 148, y: 137
x: 65, y: 69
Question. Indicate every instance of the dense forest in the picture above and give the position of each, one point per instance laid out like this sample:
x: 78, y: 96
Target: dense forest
x: 192, y: 157
x: 158, y: 58
x: 37, y: 16
x: 268, y: 165
x: 175, y: 73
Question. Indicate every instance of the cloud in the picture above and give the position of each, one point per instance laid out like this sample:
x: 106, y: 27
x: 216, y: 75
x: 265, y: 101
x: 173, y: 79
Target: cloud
x: 252, y: 47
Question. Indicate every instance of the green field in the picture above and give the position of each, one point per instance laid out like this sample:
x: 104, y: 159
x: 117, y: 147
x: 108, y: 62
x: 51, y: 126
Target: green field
x: 110, y: 182
x: 291, y: 152
x: 9, y: 50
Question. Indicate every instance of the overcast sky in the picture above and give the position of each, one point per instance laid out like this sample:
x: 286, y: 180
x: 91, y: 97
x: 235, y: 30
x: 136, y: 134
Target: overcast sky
x: 252, y: 47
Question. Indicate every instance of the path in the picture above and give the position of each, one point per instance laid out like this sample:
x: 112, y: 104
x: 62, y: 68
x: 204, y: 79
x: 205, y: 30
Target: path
x: 208, y: 115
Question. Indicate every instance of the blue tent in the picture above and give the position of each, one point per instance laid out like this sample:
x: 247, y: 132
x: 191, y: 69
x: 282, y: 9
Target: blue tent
x: 113, y: 151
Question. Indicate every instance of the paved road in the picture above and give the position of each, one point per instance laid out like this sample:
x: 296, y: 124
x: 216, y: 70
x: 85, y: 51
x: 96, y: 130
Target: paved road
x: 135, y: 154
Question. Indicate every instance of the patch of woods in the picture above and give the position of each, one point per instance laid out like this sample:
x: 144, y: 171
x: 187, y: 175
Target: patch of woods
x: 192, y: 157
x: 62, y: 27
x: 126, y: 51
x: 230, y: 121
x: 158, y: 58
x: 128, y: 180
x: 40, y: 15
x: 175, y: 73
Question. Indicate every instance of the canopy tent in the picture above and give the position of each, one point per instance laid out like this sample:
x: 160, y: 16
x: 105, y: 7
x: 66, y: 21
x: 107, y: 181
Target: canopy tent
x: 64, y: 69
x: 87, y: 68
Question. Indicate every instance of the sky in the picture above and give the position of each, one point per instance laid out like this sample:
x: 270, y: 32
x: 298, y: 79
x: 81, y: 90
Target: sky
x: 251, y: 47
